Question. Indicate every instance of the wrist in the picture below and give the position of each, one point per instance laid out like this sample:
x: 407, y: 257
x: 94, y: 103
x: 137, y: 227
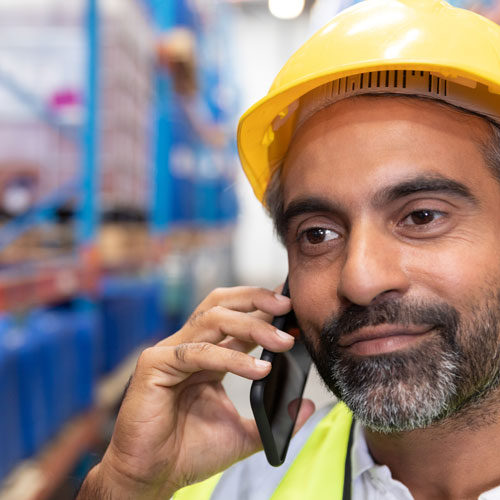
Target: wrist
x: 104, y: 482
x: 94, y: 488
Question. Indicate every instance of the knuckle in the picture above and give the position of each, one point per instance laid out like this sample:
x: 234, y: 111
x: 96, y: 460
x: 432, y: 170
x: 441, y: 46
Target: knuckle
x: 196, y: 318
x: 209, y: 318
x: 183, y: 352
x: 180, y: 352
x: 204, y: 347
x: 217, y: 310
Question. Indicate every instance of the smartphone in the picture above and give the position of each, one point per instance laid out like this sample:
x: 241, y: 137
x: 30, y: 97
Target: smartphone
x: 271, y: 396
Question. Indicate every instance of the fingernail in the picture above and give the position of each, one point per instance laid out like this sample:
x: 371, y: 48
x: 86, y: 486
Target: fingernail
x: 281, y: 298
x: 284, y: 335
x: 261, y: 363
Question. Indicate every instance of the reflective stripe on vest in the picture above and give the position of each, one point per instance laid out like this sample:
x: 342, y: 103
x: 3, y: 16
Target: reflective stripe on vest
x: 318, y: 472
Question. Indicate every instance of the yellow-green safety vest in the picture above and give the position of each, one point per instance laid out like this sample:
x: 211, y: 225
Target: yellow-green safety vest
x: 321, y: 470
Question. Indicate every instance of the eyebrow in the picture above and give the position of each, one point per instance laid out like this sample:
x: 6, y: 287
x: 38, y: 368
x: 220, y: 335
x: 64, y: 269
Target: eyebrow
x: 426, y: 184
x: 389, y: 194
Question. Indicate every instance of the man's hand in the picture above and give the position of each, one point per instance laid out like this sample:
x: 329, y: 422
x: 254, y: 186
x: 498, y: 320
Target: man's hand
x: 176, y: 425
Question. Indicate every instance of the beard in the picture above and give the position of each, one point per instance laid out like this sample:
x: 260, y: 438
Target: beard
x: 451, y: 371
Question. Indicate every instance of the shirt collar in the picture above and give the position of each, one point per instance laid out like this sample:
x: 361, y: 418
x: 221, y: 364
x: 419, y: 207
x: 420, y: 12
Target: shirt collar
x: 361, y: 460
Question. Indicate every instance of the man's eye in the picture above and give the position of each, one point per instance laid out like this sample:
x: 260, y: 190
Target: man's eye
x: 422, y: 217
x: 317, y: 235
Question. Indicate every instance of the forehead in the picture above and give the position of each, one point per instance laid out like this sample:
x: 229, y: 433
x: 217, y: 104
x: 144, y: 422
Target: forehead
x: 361, y: 144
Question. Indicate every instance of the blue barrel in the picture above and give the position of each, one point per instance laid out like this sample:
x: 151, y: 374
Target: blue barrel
x: 155, y: 327
x: 120, y: 321
x: 136, y: 297
x: 79, y: 323
x: 10, y: 417
x: 131, y: 316
x: 113, y: 345
x: 58, y: 362
x: 88, y: 354
x: 24, y: 349
x: 34, y: 411
x: 68, y: 359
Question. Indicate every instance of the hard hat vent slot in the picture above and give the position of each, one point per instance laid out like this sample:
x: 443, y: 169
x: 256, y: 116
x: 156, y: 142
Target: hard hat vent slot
x: 418, y: 81
x: 403, y: 81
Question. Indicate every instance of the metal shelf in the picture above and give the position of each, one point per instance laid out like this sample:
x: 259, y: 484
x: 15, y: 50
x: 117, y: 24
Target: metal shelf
x: 25, y: 290
x: 51, y: 282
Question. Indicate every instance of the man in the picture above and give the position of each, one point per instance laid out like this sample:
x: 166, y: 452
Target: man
x: 377, y: 153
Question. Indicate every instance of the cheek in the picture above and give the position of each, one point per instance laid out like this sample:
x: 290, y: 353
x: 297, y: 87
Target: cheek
x: 454, y: 274
x: 314, y: 295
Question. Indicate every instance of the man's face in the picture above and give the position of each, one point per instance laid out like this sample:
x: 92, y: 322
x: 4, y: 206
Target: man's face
x: 393, y: 241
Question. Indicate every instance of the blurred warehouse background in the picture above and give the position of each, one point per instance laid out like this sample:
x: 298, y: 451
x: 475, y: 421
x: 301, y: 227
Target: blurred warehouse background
x: 122, y: 203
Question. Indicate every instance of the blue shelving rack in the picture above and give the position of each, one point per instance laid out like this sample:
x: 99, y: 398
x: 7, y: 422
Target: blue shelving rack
x: 31, y: 283
x: 87, y: 139
x: 88, y: 209
x: 139, y: 295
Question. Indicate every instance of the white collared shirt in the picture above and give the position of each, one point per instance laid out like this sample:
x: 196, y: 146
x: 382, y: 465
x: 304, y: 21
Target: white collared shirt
x: 374, y: 482
x: 254, y: 479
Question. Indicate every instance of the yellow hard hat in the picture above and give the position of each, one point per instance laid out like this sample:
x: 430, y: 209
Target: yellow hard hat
x: 423, y: 47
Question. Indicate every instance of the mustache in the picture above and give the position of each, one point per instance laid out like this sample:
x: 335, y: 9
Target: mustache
x: 440, y: 316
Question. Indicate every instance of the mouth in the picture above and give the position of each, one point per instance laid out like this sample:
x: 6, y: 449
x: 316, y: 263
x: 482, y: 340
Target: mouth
x: 382, y: 339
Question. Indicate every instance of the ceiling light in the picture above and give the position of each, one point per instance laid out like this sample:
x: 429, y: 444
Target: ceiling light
x: 286, y: 9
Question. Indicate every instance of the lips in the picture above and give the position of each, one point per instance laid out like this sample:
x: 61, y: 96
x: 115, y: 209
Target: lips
x: 368, y: 333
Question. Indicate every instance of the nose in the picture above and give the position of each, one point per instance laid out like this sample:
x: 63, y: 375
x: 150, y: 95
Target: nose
x: 372, y: 269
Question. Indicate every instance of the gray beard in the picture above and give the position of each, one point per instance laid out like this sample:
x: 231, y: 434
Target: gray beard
x: 446, y: 374
x: 390, y: 398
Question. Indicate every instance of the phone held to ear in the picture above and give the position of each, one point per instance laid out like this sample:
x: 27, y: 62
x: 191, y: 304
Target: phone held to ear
x: 271, y: 397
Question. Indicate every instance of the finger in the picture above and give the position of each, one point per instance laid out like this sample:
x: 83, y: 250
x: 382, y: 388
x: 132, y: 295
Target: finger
x: 218, y: 322
x: 237, y: 345
x: 247, y: 299
x: 265, y: 316
x: 244, y: 299
x: 168, y: 366
x: 268, y: 318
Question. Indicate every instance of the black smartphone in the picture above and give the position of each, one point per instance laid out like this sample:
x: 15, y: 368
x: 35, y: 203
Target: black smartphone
x: 271, y: 397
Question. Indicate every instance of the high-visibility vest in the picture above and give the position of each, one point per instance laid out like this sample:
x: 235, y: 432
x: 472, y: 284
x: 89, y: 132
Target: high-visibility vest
x: 320, y: 471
